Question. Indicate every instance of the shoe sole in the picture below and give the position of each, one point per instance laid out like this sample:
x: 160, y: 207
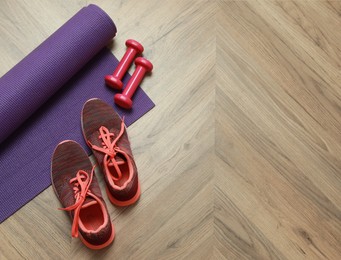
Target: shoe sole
x: 124, y: 203
x: 98, y: 247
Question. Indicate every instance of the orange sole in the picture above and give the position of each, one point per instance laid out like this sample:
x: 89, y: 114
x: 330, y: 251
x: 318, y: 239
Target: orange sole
x: 97, y: 247
x: 125, y: 203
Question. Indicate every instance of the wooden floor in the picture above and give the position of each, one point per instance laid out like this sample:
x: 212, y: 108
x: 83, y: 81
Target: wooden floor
x: 240, y: 158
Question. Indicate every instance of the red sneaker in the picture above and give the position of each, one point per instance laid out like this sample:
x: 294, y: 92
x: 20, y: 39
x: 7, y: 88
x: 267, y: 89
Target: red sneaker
x: 76, y: 187
x: 106, y: 135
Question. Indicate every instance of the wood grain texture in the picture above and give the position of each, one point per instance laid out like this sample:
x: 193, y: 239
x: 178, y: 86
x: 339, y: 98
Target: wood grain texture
x: 240, y: 158
x: 278, y: 122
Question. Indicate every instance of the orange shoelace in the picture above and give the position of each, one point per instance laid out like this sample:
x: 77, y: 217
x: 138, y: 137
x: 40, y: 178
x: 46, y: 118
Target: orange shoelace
x: 110, y: 149
x: 81, y: 190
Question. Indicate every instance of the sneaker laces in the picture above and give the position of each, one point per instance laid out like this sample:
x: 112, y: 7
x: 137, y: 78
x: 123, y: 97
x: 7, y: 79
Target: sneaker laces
x: 110, y: 150
x: 81, y: 191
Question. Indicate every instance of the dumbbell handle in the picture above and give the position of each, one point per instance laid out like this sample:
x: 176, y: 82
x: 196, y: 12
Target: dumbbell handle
x: 134, y: 81
x: 125, y: 62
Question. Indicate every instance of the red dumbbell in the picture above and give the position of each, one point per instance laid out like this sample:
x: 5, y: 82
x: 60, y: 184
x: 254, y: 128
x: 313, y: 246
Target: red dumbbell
x: 142, y: 67
x: 114, y: 80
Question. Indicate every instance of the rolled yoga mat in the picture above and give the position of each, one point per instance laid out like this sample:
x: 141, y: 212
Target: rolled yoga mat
x: 41, y: 100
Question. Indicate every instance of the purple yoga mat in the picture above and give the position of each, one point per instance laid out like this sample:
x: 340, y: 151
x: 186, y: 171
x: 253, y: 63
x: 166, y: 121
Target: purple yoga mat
x: 41, y: 100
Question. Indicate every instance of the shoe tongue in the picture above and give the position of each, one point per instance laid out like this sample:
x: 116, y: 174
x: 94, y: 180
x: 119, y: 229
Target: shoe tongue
x: 89, y: 202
